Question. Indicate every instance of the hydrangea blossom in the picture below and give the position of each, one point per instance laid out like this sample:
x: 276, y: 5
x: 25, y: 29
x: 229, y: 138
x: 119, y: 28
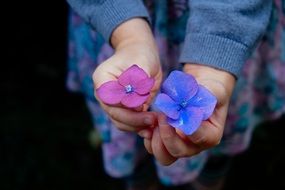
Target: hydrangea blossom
x: 185, y: 103
x: 131, y: 89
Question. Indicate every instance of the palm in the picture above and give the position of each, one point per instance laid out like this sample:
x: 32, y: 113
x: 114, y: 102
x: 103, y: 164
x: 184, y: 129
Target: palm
x: 222, y: 90
x: 147, y: 59
x: 125, y: 58
x: 168, y: 145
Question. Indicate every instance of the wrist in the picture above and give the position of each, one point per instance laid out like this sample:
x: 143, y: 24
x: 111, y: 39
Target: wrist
x: 131, y: 32
x: 207, y: 75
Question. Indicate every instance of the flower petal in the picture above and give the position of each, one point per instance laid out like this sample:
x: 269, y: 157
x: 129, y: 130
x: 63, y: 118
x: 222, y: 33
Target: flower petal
x: 143, y: 86
x: 189, y: 121
x: 166, y: 105
x: 111, y: 92
x: 180, y: 86
x: 133, y: 100
x: 131, y: 75
x: 205, y: 100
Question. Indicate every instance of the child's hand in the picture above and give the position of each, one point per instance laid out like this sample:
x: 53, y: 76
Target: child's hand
x: 168, y: 145
x: 134, y: 44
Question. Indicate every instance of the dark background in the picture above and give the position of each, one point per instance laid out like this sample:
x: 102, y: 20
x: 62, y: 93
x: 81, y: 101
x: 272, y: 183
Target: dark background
x: 45, y: 130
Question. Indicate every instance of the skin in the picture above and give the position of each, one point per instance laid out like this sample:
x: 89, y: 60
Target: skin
x: 134, y: 44
x: 168, y: 145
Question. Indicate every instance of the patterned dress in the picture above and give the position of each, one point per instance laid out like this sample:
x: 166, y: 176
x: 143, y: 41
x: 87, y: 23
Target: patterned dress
x: 259, y: 94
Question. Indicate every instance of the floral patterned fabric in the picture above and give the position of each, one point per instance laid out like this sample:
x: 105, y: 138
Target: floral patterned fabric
x: 259, y: 94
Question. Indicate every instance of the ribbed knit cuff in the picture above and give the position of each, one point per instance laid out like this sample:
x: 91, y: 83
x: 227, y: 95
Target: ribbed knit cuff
x: 214, y: 51
x: 112, y: 13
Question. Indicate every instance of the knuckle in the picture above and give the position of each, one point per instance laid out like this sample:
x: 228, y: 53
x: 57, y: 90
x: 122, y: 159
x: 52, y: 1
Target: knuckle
x: 194, y: 152
x: 199, y: 140
x: 181, y: 154
x: 208, y: 140
x: 214, y: 141
x: 177, y: 154
x: 184, y: 154
x: 217, y: 138
x: 112, y: 114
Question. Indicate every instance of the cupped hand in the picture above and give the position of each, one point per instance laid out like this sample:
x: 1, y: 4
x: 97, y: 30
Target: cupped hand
x: 129, y: 50
x: 168, y: 144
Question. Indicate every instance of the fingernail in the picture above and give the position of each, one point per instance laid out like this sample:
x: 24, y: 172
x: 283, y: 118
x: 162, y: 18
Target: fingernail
x: 162, y: 120
x: 138, y: 109
x: 144, y: 134
x: 148, y: 121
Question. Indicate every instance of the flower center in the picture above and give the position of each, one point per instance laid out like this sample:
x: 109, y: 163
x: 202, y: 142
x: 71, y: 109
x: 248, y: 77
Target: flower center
x: 129, y: 88
x: 183, y: 104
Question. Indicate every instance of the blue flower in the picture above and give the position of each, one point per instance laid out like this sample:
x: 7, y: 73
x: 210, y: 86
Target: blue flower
x: 185, y: 103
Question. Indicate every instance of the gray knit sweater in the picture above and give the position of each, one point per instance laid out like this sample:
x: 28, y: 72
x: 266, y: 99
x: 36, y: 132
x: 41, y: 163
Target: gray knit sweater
x: 220, y: 33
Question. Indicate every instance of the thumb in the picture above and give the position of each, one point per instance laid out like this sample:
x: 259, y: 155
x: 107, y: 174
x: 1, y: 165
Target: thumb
x: 104, y: 73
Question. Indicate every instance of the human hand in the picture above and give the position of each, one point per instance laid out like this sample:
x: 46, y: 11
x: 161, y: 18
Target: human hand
x: 134, y: 44
x: 168, y: 144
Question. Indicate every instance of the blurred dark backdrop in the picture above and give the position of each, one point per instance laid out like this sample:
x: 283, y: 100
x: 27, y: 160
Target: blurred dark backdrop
x: 45, y: 130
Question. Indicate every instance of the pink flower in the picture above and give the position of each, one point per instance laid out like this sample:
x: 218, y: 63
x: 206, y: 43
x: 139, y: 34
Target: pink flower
x: 131, y: 89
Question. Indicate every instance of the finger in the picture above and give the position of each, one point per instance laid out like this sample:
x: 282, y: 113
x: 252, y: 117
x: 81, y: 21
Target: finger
x: 145, y: 133
x: 138, y: 109
x: 159, y: 151
x: 102, y: 74
x: 143, y: 107
x: 138, y: 120
x: 147, y: 145
x: 123, y: 127
x: 174, y: 144
x: 207, y: 136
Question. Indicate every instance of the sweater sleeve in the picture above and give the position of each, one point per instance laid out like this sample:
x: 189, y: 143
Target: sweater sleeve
x: 105, y: 15
x: 223, y: 33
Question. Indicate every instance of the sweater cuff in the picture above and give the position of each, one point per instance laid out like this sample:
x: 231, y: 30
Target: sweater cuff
x: 214, y: 51
x: 112, y: 13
